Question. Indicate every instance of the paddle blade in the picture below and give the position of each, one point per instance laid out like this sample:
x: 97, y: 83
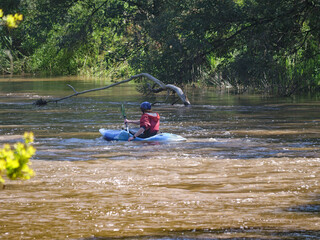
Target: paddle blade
x: 123, y: 111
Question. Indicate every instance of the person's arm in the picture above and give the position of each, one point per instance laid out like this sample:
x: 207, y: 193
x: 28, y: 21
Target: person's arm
x: 137, y: 134
x: 132, y: 121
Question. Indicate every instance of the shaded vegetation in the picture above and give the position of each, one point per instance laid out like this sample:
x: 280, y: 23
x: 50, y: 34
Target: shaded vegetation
x: 269, y: 46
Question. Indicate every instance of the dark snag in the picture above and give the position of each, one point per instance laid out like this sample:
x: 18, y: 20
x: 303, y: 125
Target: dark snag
x: 40, y: 102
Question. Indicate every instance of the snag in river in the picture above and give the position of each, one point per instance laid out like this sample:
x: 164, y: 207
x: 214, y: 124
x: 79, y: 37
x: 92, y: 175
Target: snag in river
x: 163, y: 87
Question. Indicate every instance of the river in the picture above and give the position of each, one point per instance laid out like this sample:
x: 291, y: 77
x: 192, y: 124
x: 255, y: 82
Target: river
x: 248, y: 170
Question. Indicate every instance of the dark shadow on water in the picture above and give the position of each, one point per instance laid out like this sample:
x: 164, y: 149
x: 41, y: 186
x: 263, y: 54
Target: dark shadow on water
x: 311, y: 208
x: 307, y: 208
x: 225, y: 234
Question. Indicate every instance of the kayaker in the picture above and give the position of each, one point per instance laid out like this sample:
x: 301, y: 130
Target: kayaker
x: 149, y: 122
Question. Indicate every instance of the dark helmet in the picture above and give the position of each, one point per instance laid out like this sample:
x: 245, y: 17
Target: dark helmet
x: 145, y: 106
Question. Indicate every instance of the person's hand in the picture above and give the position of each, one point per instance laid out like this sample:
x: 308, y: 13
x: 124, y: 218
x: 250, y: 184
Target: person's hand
x: 130, y: 139
x: 126, y: 121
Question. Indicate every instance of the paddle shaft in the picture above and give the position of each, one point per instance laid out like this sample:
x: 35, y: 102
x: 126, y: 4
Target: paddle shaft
x: 124, y: 117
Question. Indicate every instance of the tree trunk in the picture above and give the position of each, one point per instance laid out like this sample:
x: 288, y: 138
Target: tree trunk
x: 163, y: 87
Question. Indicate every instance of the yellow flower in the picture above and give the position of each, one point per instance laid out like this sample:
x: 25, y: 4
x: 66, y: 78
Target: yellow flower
x: 28, y: 137
x: 11, y: 22
x: 18, y: 17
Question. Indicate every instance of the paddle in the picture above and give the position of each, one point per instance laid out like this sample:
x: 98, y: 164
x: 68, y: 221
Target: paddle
x: 123, y: 111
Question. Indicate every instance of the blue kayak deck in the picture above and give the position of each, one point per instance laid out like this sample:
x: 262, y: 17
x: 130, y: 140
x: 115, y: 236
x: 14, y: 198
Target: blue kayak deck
x: 122, y: 135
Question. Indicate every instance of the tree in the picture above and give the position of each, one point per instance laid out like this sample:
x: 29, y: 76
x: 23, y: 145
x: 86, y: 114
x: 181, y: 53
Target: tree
x: 71, y: 37
x: 250, y: 43
x: 180, y: 35
x: 280, y: 46
x: 265, y: 45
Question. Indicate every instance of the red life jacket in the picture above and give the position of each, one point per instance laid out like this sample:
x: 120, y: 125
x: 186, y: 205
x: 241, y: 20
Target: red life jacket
x: 150, y: 122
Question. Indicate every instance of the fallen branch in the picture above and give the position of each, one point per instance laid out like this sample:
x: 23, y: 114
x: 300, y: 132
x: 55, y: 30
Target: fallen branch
x: 163, y: 87
x: 72, y: 88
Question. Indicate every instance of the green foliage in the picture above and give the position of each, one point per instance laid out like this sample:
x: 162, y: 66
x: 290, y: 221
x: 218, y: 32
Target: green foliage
x: 279, y: 49
x: 7, y: 24
x: 15, y: 162
x: 72, y: 37
x: 269, y: 46
x: 181, y: 35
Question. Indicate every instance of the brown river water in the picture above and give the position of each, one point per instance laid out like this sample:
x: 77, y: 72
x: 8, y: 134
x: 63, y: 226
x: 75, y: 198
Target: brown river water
x: 248, y: 170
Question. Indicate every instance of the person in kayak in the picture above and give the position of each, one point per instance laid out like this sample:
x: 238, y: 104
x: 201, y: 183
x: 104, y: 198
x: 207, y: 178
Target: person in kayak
x: 149, y: 122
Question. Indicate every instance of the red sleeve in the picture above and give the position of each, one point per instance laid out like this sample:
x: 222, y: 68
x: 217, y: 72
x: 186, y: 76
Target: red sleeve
x: 145, y: 122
